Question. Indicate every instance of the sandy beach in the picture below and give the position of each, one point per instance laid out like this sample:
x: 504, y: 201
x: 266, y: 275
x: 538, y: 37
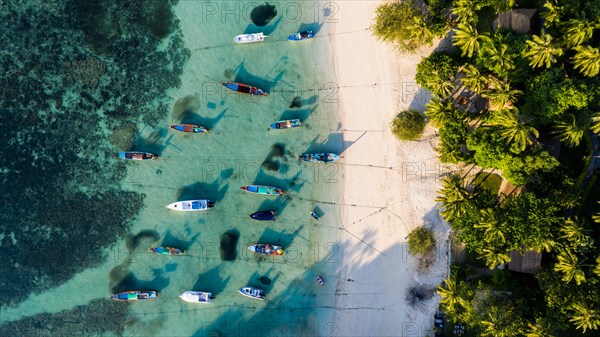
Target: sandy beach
x: 389, y: 186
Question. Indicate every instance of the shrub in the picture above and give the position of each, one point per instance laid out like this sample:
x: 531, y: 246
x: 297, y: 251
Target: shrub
x: 435, y: 69
x: 408, y: 125
x: 421, y: 241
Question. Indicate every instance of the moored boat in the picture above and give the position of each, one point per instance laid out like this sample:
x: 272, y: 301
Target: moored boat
x: 320, y: 281
x: 249, y: 38
x: 135, y: 295
x: 263, y: 190
x: 167, y: 250
x: 252, y: 292
x: 315, y: 216
x: 191, y: 128
x: 196, y: 297
x: 305, y: 35
x: 285, y: 124
x: 136, y: 155
x: 263, y: 215
x: 191, y: 205
x: 244, y: 88
x: 319, y: 157
x: 266, y: 249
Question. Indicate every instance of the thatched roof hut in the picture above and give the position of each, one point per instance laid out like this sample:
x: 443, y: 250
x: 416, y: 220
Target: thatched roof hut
x: 523, y: 20
x: 529, y: 263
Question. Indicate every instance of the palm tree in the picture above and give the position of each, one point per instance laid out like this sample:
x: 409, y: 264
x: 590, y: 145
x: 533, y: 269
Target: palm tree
x: 453, y: 197
x: 468, y: 39
x: 474, y: 79
x: 465, y: 10
x: 498, y: 58
x: 542, y: 52
x: 595, y: 123
x: 439, y: 86
x: 587, y: 60
x: 493, y: 258
x: 552, y: 15
x: 597, y: 267
x: 420, y: 33
x: 497, y: 324
x: 438, y: 110
x: 585, y: 318
x: 502, y: 5
x: 578, y: 31
x: 451, y: 296
x: 569, y: 265
x: 574, y: 233
x: 501, y: 96
x: 572, y: 131
x: 447, y: 153
x: 493, y: 231
x: 514, y: 129
x: 541, y: 328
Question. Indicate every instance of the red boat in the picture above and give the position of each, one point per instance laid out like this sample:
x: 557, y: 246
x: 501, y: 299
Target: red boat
x: 244, y: 88
x: 191, y: 128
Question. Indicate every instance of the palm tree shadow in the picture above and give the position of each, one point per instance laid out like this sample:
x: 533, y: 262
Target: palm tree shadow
x: 267, y: 30
x: 154, y: 142
x: 301, y: 114
x: 195, y: 118
x: 243, y: 76
x: 172, y: 241
x: 315, y: 27
x: 211, y: 281
x: 203, y: 191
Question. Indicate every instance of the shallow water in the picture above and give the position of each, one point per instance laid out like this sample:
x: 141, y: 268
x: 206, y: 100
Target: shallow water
x: 239, y: 150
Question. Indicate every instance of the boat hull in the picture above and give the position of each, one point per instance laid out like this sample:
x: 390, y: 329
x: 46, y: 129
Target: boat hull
x: 167, y: 251
x: 136, y: 295
x: 255, y: 293
x: 286, y: 124
x: 244, y: 89
x: 263, y: 215
x: 266, y: 249
x: 320, y: 157
x: 189, y: 128
x: 191, y: 205
x: 136, y: 155
x: 315, y: 216
x: 263, y: 190
x: 249, y: 38
x: 196, y: 297
x: 305, y: 35
x: 320, y: 281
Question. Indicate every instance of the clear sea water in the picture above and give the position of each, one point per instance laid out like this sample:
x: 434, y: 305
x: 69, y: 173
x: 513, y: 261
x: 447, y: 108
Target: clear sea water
x: 240, y: 150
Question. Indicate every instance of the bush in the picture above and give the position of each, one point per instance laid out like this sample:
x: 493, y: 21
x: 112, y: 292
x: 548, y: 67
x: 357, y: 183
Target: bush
x: 436, y: 68
x: 421, y: 241
x: 408, y: 125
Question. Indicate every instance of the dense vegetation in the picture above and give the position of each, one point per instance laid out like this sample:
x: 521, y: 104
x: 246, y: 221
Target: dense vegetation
x: 527, y: 108
x: 421, y: 241
x: 408, y: 125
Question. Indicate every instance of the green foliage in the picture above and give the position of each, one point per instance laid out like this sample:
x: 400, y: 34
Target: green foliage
x: 570, y: 266
x: 454, y: 295
x: 421, y: 241
x: 572, y: 130
x: 595, y: 126
x: 403, y: 24
x: 408, y: 125
x: 474, y: 79
x: 542, y: 51
x: 435, y: 70
x: 521, y: 169
x: 468, y: 39
x: 501, y: 95
x: 498, y: 58
x: 490, y: 182
x: 514, y: 128
x: 452, y: 139
x: 587, y: 60
x: 453, y: 197
x: 578, y: 31
x: 584, y: 317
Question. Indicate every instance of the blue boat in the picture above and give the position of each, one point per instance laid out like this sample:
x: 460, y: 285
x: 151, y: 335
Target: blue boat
x: 263, y: 215
x: 285, y: 124
x: 263, y: 190
x: 244, y: 88
x: 134, y: 155
x: 136, y: 295
x: 305, y: 35
x: 253, y: 292
x: 320, y: 157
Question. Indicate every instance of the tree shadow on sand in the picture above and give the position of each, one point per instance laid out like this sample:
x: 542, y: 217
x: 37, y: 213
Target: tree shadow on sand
x: 211, y: 281
x: 203, y: 191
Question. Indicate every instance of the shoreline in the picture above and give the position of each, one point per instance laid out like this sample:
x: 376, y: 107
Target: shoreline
x: 393, y: 182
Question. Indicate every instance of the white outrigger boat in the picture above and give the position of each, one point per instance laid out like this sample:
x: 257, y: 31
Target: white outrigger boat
x: 255, y: 293
x: 249, y: 38
x: 196, y: 297
x: 191, y: 205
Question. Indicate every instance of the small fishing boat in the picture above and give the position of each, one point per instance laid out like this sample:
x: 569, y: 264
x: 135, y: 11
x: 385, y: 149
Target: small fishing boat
x: 266, y: 249
x: 249, y: 38
x: 196, y: 297
x: 191, y: 128
x: 244, y: 88
x: 135, y: 295
x: 134, y: 155
x: 264, y: 190
x: 305, y: 35
x: 167, y: 250
x: 320, y: 157
x: 263, y: 215
x: 285, y: 124
x: 252, y: 292
x: 315, y: 216
x: 191, y: 205
x: 320, y: 281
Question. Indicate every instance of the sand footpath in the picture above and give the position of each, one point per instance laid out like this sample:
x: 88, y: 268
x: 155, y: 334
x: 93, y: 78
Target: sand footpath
x: 391, y: 184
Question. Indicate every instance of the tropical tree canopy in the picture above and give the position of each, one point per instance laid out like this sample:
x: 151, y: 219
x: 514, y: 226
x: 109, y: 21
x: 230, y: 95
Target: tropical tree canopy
x: 514, y: 129
x: 542, y: 51
x: 408, y: 125
x: 585, y: 318
x: 468, y: 39
x: 572, y: 131
x: 570, y: 266
x: 587, y: 60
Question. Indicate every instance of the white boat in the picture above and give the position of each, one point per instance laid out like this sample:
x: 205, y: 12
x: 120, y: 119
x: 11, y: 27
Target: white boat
x: 248, y: 38
x: 256, y: 293
x: 191, y: 205
x: 196, y: 297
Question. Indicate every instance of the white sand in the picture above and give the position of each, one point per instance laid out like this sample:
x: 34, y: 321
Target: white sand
x: 398, y: 190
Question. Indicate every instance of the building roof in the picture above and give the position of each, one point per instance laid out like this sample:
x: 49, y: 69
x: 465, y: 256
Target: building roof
x: 528, y: 263
x: 519, y: 20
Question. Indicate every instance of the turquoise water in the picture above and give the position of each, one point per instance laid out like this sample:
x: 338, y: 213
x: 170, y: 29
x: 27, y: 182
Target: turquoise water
x: 240, y: 150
